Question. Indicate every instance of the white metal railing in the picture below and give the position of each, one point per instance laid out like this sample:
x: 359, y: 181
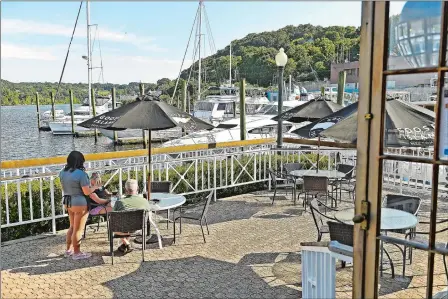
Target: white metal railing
x: 38, y: 197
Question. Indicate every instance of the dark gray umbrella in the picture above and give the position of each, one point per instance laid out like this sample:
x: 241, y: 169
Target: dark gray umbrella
x: 146, y: 113
x: 311, y: 110
x: 313, y: 129
x: 406, y: 124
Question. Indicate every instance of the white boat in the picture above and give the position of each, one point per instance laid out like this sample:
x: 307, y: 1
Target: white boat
x: 63, y: 126
x: 46, y: 117
x: 136, y: 135
x: 217, y: 108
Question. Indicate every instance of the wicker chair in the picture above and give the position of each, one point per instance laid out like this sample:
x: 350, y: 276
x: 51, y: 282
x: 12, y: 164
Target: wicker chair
x: 201, y: 217
x: 341, y: 232
x: 126, y: 222
x: 162, y: 187
x: 318, y: 216
x: 281, y: 181
x: 346, y: 184
x: 315, y: 186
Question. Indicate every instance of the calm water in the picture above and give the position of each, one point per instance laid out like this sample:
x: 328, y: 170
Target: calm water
x: 20, y: 138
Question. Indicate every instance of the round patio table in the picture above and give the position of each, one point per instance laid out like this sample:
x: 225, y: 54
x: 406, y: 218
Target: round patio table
x: 391, y: 219
x: 332, y: 174
x: 161, y: 202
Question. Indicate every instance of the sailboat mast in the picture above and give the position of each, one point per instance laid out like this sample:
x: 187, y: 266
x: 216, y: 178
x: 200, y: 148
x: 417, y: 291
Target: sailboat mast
x: 89, y: 68
x: 199, y: 49
x: 230, y: 66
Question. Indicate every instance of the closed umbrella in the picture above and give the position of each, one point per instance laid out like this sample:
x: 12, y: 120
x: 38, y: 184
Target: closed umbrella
x: 406, y: 124
x: 147, y: 113
x: 311, y: 110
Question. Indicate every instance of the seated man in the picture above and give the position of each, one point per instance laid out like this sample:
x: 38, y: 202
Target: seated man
x: 130, y: 202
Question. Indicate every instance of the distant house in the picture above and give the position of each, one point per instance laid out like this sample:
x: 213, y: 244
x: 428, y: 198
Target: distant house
x: 394, y: 62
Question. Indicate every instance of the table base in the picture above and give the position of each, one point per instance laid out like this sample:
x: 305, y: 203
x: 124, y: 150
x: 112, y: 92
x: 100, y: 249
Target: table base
x: 149, y: 240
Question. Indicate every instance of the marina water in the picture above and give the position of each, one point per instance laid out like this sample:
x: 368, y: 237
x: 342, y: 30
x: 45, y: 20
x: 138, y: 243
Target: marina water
x: 21, y: 139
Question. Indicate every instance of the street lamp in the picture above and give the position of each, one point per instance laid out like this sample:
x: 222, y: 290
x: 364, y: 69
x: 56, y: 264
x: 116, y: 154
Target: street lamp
x: 280, y: 59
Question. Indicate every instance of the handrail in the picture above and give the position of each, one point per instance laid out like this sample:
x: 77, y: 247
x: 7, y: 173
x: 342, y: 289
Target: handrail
x: 317, y: 143
x: 131, y: 153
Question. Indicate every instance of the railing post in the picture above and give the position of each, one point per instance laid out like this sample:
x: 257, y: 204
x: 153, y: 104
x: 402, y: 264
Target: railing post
x: 53, y: 211
x: 19, y: 201
x: 120, y: 182
x: 214, y: 176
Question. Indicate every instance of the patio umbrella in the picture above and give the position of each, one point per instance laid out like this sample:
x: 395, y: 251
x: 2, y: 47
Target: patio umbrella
x: 147, y: 113
x: 313, y: 129
x: 311, y: 110
x: 406, y: 124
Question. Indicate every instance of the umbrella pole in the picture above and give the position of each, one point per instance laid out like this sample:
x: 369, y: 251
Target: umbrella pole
x: 318, y: 153
x: 149, y: 166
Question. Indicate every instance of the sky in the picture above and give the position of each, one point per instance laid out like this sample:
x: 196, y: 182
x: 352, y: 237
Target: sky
x: 141, y: 41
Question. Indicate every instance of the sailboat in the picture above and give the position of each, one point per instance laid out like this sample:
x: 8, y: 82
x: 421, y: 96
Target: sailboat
x: 62, y: 125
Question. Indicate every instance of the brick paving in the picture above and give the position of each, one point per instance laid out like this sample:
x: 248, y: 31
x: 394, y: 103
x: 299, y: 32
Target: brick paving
x: 253, y: 251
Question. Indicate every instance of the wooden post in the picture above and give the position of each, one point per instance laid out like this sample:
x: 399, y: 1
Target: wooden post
x: 142, y: 92
x: 341, y: 86
x: 243, y: 109
x: 113, y: 107
x: 52, y: 105
x: 234, y: 109
x: 37, y: 109
x: 72, y: 114
x: 92, y: 95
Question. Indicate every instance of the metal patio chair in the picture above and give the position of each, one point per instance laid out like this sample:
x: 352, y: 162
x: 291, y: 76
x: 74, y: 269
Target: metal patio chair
x: 315, y: 186
x: 187, y: 214
x: 162, y: 187
x: 318, y: 216
x: 281, y: 181
x: 346, y: 184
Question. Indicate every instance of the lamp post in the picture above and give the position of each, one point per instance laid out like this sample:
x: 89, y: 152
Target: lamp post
x: 280, y: 59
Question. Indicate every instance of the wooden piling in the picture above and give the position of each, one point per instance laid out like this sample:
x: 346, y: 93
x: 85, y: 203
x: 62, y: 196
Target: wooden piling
x: 92, y: 95
x: 113, y: 107
x: 142, y: 92
x: 243, y: 109
x: 52, y: 105
x: 72, y: 113
x: 37, y: 110
x: 341, y: 87
x: 184, y: 96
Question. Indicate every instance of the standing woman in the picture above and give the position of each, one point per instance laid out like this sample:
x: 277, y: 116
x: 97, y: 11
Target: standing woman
x: 76, y: 186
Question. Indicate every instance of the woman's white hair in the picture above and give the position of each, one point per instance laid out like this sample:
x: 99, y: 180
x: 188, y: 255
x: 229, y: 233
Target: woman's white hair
x: 131, y: 185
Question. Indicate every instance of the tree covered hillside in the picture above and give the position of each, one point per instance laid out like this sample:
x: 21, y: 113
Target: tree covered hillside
x: 311, y: 50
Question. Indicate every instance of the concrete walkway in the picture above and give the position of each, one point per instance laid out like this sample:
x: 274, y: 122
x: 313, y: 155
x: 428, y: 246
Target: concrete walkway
x: 252, y: 252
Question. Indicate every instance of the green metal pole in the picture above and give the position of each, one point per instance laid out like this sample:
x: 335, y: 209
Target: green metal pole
x: 37, y: 109
x: 142, y: 92
x: 341, y: 86
x: 52, y: 105
x: 72, y: 114
x: 113, y: 107
x: 92, y: 96
x: 243, y: 109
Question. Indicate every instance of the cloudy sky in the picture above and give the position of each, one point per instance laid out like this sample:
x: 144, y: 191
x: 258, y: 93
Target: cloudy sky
x: 140, y: 41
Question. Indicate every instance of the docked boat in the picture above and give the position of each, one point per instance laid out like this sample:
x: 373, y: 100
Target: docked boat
x: 47, y: 116
x: 63, y: 126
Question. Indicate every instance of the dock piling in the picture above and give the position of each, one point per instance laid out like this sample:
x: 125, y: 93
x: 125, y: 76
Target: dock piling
x: 52, y: 105
x: 142, y: 92
x: 37, y: 110
x: 113, y: 107
x: 341, y: 86
x: 243, y: 109
x: 72, y: 113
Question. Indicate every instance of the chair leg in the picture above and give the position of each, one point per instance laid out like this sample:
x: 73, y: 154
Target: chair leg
x: 319, y: 236
x: 206, y: 225
x: 180, y: 225
x: 202, y: 229
x: 143, y: 243
x: 275, y: 192
x: 174, y: 230
x: 167, y: 218
x: 111, y: 246
x: 343, y: 264
x: 85, y: 227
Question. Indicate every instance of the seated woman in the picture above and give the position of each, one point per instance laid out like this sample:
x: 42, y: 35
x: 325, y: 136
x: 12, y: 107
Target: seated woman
x: 98, y: 200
